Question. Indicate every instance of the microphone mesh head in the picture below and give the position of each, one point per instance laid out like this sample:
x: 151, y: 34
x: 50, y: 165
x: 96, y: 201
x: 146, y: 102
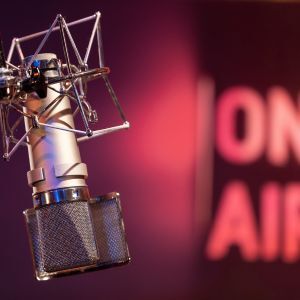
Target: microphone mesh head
x: 76, y: 236
x: 109, y: 230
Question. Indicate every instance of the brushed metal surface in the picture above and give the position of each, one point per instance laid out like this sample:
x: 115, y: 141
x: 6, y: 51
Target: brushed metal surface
x: 50, y: 147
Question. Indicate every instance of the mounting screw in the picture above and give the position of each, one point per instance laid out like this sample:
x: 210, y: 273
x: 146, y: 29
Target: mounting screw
x: 35, y: 123
x: 89, y: 132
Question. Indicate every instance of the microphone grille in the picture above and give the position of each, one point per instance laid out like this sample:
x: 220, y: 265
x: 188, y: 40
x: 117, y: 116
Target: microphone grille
x: 109, y: 230
x: 76, y: 236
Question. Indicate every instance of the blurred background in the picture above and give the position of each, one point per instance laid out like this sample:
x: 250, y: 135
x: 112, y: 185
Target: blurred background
x: 208, y: 173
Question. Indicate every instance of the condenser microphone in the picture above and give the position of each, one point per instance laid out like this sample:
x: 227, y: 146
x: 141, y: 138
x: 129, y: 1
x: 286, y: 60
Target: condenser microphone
x: 68, y: 230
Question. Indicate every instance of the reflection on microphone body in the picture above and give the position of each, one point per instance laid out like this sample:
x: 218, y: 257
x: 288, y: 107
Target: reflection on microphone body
x: 68, y: 230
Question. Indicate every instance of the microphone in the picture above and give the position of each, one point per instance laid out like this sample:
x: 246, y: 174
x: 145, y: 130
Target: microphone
x: 68, y: 230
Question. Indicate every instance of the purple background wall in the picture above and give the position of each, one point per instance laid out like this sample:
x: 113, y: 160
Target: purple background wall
x: 157, y: 52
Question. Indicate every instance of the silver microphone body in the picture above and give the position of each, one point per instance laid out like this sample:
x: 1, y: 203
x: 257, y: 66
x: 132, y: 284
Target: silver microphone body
x: 69, y: 232
x: 54, y: 156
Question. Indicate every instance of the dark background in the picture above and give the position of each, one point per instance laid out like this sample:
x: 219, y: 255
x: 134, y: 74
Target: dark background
x: 253, y: 44
x: 158, y: 51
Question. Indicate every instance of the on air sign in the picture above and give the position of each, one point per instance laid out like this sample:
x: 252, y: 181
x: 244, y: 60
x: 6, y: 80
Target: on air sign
x: 271, y: 128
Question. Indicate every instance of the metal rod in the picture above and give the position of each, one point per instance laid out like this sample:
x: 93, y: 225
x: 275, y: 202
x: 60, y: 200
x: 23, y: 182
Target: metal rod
x: 61, y: 92
x: 48, y: 32
x: 101, y: 132
x: 20, y: 111
x: 85, y: 121
x: 3, y: 129
x: 12, y: 139
x: 57, y: 91
x: 37, y: 34
x: 114, y: 98
x: 21, y: 107
x: 64, y: 43
x: 79, y: 79
x: 61, y: 128
x: 20, y: 52
x: 13, y: 66
x: 72, y: 42
x: 11, y: 50
x: 57, y: 99
x: 90, y: 74
x: 100, y: 46
x: 75, y: 112
x: 88, y: 50
x: 66, y: 54
x: 7, y: 123
x: 7, y: 156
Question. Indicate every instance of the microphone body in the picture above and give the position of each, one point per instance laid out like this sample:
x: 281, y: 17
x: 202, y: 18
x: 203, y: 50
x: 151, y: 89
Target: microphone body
x: 69, y: 232
x: 54, y: 156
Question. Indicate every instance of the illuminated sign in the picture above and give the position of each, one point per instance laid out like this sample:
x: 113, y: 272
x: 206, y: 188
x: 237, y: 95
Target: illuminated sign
x: 271, y: 128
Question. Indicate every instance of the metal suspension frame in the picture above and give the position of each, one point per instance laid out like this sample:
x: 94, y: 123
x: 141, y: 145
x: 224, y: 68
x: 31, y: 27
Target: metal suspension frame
x: 72, y: 77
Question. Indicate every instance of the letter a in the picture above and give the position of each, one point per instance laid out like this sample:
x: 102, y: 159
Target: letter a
x: 234, y: 224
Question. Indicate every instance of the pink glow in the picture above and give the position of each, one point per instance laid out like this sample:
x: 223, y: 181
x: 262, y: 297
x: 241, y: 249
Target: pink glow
x: 284, y: 127
x: 234, y: 224
x: 251, y: 147
x: 291, y: 249
x: 270, y: 221
x: 205, y: 152
x: 156, y: 156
